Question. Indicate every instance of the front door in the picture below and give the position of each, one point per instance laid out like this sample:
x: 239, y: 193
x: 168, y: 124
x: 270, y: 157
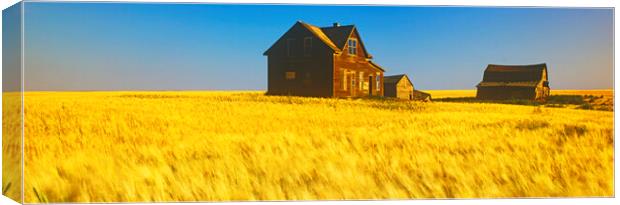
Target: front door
x: 353, y: 84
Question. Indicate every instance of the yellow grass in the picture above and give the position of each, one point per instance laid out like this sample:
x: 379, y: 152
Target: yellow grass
x: 213, y: 146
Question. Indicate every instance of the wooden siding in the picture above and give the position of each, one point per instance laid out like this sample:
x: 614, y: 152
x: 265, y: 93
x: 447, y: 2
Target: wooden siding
x: 323, y: 72
x: 506, y: 93
x: 313, y: 71
x: 355, y: 68
x: 401, y: 90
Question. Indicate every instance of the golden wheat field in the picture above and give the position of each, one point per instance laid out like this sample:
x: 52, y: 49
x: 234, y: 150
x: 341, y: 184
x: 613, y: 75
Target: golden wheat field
x: 221, y: 146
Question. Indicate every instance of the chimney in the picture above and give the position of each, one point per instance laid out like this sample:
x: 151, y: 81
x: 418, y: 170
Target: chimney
x: 336, y: 24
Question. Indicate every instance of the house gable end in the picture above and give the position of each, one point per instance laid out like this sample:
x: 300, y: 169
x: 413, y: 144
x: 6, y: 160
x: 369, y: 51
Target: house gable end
x: 361, y: 47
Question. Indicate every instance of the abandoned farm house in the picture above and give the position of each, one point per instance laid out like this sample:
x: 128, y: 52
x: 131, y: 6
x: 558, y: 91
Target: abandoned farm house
x: 401, y: 87
x: 322, y: 62
x: 514, y: 82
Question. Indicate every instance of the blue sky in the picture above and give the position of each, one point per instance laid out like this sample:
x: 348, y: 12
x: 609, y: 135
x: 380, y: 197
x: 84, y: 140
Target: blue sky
x: 114, y: 46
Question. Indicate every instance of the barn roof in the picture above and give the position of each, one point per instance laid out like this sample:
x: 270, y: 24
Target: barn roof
x: 393, y: 79
x: 514, y: 75
x: 335, y: 37
x: 520, y: 84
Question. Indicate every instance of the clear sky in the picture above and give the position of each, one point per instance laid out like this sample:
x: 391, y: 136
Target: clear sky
x: 120, y: 46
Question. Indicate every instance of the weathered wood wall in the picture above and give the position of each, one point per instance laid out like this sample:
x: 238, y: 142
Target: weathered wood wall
x: 352, y: 74
x: 401, y: 90
x: 313, y: 73
x: 504, y: 93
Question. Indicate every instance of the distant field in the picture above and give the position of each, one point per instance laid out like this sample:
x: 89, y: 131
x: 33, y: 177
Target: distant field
x: 577, y: 99
x: 222, y: 146
x: 436, y: 94
x: 472, y: 93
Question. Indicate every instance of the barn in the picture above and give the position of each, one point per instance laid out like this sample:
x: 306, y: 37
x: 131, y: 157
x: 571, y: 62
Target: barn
x: 401, y: 87
x: 330, y: 61
x: 501, y: 82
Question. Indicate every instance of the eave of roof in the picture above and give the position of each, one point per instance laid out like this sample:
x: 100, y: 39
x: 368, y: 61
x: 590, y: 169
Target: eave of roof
x: 319, y: 34
x: 376, y: 66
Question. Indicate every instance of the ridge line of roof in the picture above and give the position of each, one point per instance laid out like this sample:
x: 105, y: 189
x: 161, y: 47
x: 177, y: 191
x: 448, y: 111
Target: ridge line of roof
x: 515, y: 65
x: 322, y: 36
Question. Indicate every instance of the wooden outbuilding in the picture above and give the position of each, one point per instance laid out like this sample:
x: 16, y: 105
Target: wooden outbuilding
x: 502, y: 82
x: 401, y: 87
x: 323, y: 62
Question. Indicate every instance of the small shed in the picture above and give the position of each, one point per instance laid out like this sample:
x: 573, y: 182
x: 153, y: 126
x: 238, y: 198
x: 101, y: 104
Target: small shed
x: 401, y: 87
x: 502, y: 82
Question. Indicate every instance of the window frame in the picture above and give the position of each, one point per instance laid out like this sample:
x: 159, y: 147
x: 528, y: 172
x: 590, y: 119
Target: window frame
x: 362, y: 80
x: 352, y: 46
x: 287, y: 75
x: 378, y: 82
x: 308, y: 47
x: 289, y: 46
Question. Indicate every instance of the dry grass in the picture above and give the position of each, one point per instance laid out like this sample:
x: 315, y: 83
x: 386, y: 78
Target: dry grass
x: 437, y: 94
x: 11, y: 146
x: 214, y: 146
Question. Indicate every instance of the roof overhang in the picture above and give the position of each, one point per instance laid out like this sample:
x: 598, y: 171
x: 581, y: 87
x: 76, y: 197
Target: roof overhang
x: 375, y: 65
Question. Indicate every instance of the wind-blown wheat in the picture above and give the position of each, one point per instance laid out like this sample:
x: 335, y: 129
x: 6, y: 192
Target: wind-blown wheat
x: 213, y: 146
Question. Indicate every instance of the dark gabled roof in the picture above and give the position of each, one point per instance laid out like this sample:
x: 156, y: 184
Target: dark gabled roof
x: 339, y: 34
x: 316, y: 31
x: 514, y: 75
x: 335, y: 37
x: 393, y: 79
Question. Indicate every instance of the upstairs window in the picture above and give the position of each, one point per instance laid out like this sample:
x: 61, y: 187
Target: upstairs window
x: 289, y: 46
x: 307, y: 46
x: 352, y: 46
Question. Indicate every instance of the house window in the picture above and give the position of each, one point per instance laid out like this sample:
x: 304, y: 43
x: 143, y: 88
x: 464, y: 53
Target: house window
x: 289, y: 46
x: 307, y: 46
x: 290, y: 75
x: 353, y: 83
x: 378, y: 81
x: 352, y: 46
x: 362, y: 81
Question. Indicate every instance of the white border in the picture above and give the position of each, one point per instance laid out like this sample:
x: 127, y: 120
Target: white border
x: 520, y: 3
